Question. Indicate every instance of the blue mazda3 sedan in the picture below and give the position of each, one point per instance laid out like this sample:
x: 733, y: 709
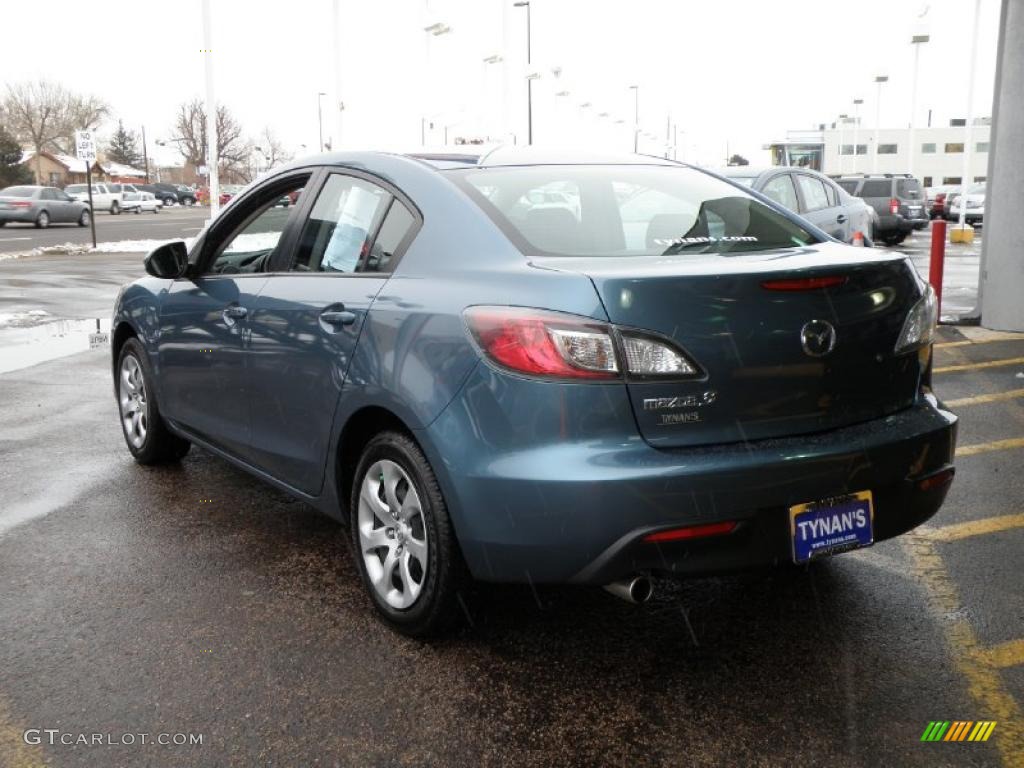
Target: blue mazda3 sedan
x: 522, y: 367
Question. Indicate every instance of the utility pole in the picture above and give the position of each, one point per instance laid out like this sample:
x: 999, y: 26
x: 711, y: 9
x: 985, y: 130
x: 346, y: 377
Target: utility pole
x: 145, y: 154
x: 529, y: 75
x: 636, y: 117
x: 878, y: 119
x: 916, y: 41
x: 212, y: 158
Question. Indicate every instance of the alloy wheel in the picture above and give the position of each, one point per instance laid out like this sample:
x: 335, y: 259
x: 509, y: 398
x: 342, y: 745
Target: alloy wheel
x: 132, y: 399
x: 392, y: 534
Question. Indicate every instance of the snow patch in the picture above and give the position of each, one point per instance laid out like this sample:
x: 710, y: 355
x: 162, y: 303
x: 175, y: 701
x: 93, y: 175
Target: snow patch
x: 24, y: 319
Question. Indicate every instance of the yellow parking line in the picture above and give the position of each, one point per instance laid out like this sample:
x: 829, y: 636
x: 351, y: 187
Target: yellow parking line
x: 971, y: 661
x: 959, y: 531
x: 995, y: 445
x: 14, y: 752
x: 976, y: 366
x: 1005, y: 655
x: 994, y: 397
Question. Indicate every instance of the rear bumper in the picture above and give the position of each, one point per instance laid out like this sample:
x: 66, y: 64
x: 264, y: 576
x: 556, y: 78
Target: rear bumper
x: 26, y: 217
x: 574, y: 510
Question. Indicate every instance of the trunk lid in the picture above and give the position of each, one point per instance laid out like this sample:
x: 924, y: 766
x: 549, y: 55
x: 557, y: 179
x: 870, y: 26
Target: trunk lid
x: 760, y: 382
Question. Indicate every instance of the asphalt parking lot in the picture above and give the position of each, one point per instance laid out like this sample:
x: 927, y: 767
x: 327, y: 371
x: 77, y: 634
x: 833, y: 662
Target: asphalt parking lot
x: 195, y: 600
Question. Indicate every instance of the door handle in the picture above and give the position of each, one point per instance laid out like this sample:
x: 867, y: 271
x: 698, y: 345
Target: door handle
x: 338, y: 317
x: 235, y: 312
x: 840, y: 218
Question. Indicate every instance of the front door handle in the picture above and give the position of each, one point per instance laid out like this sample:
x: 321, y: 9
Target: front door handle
x: 841, y: 218
x: 338, y: 317
x: 235, y: 312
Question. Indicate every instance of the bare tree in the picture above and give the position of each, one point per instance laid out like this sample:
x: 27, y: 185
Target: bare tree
x: 45, y: 115
x: 232, y: 150
x: 272, y: 149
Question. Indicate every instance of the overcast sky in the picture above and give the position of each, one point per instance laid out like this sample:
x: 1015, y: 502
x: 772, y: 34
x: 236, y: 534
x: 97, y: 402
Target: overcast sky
x: 734, y: 73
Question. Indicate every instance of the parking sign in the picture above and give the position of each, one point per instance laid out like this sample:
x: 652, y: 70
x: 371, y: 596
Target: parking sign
x: 85, y: 146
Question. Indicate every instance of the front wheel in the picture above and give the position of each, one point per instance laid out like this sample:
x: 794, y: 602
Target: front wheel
x: 145, y: 432
x: 84, y: 219
x: 115, y: 208
x: 404, y: 544
x: 189, y: 202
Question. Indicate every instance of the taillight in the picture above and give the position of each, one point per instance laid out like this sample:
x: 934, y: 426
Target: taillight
x: 20, y: 204
x: 894, y: 206
x: 544, y: 343
x: 553, y: 344
x: 691, y: 532
x: 804, y: 283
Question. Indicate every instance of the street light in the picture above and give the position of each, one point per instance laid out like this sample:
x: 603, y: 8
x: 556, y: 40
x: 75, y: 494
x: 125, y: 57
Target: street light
x: 856, y: 129
x: 636, y: 117
x: 320, y: 116
x: 529, y: 80
x: 841, y: 119
x: 878, y: 117
x: 916, y: 41
x: 437, y: 29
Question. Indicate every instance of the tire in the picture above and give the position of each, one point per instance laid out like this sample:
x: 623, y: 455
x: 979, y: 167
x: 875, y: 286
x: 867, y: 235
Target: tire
x: 42, y: 220
x: 189, y: 202
x: 146, y: 435
x: 156, y: 208
x: 137, y: 209
x: 85, y: 218
x: 115, y: 208
x: 417, y: 610
x: 892, y: 240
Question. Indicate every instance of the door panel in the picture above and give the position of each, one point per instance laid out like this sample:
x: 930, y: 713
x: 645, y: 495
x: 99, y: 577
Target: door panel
x: 202, y: 356
x: 817, y: 208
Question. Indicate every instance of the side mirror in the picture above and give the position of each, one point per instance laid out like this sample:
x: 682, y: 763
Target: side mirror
x: 168, y: 261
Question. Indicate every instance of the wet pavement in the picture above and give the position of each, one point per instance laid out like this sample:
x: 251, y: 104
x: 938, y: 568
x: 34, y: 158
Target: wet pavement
x: 195, y: 600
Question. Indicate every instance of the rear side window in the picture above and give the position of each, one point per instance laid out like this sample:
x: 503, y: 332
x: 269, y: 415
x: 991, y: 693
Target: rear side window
x: 813, y: 192
x: 876, y: 188
x: 850, y: 185
x: 340, y: 228
x: 626, y: 210
x: 908, y: 188
x: 394, y: 231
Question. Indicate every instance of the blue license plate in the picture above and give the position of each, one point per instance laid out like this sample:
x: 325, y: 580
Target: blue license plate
x: 834, y: 525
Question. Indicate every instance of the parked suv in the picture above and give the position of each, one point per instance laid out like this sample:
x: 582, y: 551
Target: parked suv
x: 186, y: 195
x: 165, y: 193
x: 104, y: 197
x: 897, y: 198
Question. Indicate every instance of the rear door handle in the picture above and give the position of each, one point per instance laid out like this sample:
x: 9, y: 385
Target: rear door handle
x: 840, y: 219
x: 338, y: 317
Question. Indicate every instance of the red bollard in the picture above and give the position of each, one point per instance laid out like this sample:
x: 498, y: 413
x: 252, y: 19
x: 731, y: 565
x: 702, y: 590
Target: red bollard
x: 938, y: 260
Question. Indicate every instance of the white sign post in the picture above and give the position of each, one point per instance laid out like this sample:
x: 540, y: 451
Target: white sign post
x: 85, y: 149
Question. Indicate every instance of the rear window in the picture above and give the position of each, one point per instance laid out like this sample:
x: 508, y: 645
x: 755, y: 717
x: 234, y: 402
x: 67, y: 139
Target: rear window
x: 626, y: 210
x: 18, y: 191
x: 908, y: 188
x: 75, y: 188
x: 876, y: 188
x: 850, y: 185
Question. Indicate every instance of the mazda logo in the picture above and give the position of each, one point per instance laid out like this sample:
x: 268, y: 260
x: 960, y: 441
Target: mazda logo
x: 817, y: 337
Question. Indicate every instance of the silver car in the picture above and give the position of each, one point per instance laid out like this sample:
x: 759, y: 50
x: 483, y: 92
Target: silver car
x: 812, y: 195
x: 41, y: 206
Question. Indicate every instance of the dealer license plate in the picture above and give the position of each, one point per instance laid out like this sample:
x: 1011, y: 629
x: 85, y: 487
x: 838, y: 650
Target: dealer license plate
x: 833, y: 525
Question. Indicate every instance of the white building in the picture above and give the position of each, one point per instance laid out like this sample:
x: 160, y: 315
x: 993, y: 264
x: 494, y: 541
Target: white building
x: 938, y: 151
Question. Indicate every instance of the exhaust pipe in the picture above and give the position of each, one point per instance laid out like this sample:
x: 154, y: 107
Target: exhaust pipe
x: 636, y: 589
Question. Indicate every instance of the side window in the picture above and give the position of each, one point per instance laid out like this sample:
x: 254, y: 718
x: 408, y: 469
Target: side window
x: 397, y: 224
x: 781, y: 190
x: 340, y: 227
x: 832, y: 192
x: 813, y: 191
x: 249, y: 247
x: 48, y: 194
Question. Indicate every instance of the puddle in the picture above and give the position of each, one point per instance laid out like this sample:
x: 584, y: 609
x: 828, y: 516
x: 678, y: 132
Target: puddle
x: 22, y: 347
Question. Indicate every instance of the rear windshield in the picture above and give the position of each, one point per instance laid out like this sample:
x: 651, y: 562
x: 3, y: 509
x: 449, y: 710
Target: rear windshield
x: 908, y: 188
x: 626, y: 210
x: 18, y: 191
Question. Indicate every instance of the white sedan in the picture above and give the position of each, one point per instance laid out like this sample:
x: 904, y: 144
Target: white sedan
x: 141, y: 201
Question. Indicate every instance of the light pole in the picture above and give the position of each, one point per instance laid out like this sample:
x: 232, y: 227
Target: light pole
x: 962, y: 223
x: 436, y: 29
x: 856, y: 129
x: 636, y: 117
x: 529, y: 80
x: 916, y: 41
x: 212, y: 159
x: 320, y: 116
x: 878, y: 118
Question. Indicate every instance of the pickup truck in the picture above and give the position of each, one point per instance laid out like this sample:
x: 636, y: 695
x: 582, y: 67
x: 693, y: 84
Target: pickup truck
x: 104, y: 196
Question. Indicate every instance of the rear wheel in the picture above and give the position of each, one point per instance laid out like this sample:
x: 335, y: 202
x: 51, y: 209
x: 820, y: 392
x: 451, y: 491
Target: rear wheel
x: 892, y: 240
x: 145, y: 433
x: 189, y: 202
x: 115, y: 208
x: 84, y: 219
x: 42, y: 220
x: 404, y: 544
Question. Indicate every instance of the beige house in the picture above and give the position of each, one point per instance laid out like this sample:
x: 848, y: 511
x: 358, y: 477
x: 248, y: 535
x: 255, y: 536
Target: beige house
x: 55, y: 170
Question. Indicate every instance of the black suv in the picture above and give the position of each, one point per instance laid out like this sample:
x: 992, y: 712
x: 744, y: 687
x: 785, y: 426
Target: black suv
x: 897, y: 198
x: 165, y: 193
x: 186, y: 195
